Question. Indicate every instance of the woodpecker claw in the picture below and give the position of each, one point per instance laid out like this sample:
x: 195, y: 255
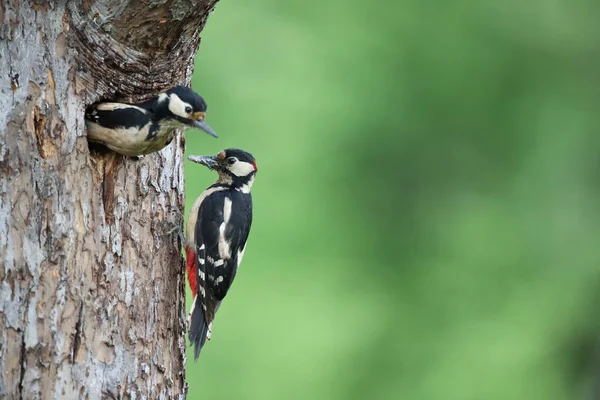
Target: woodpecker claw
x: 179, y: 233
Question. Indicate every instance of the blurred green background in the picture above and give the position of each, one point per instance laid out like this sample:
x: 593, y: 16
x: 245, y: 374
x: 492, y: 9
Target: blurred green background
x: 427, y: 221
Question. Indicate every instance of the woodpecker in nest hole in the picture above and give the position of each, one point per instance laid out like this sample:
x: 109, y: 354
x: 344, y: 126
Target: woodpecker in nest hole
x: 216, y: 233
x: 139, y: 129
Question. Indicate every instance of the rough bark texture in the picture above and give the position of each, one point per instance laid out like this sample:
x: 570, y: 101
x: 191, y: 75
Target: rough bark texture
x: 91, y: 277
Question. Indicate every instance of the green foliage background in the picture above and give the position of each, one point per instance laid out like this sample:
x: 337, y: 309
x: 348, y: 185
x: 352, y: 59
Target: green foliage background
x: 426, y: 207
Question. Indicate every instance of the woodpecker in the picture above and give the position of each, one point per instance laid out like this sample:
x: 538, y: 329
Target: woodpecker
x: 143, y: 128
x: 216, y: 234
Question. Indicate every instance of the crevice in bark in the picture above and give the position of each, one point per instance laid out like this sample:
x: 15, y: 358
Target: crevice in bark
x: 108, y: 186
x: 14, y: 81
x: 77, y: 338
x: 39, y: 122
x: 22, y: 361
x: 107, y: 394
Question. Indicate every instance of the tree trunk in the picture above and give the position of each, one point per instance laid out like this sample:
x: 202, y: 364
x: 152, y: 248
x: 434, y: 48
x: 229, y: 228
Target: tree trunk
x: 91, y: 278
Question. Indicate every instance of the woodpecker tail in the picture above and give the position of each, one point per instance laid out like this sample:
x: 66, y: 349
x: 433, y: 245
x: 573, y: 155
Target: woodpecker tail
x: 198, y: 328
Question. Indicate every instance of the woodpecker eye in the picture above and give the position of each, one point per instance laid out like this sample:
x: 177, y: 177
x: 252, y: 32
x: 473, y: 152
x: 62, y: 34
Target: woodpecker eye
x: 231, y: 160
x: 188, y: 110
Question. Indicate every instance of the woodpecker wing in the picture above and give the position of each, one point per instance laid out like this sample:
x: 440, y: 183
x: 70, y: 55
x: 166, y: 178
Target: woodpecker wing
x: 225, y: 219
x: 236, y: 234
x: 206, y: 232
x: 118, y: 115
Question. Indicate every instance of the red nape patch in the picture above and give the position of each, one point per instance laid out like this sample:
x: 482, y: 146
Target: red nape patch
x: 190, y: 268
x: 255, y: 167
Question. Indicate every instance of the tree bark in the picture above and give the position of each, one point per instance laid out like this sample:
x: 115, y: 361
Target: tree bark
x: 92, y: 298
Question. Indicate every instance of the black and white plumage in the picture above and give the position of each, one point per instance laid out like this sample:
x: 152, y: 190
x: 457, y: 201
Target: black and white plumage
x: 138, y: 129
x: 217, y: 230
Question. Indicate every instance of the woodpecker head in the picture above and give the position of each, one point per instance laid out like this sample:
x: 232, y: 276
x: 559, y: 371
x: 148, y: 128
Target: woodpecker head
x: 186, y: 107
x: 234, y: 166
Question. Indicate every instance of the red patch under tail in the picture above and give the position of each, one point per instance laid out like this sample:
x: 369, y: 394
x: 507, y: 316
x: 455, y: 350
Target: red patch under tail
x: 190, y: 268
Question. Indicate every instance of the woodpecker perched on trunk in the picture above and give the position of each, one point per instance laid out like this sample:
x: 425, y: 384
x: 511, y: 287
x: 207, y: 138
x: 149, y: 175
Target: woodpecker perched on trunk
x: 138, y: 129
x: 217, y: 230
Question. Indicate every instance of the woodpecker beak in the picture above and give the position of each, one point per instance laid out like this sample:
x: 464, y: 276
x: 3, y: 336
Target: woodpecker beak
x: 198, y: 118
x: 209, y: 161
x: 204, y: 126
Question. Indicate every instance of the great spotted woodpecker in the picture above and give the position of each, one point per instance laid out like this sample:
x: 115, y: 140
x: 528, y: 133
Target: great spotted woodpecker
x: 138, y: 129
x: 216, y: 231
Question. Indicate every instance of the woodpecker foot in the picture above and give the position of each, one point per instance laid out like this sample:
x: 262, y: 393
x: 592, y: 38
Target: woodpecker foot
x: 179, y: 233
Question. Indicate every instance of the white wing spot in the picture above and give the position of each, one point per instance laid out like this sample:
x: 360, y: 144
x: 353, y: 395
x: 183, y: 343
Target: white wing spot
x: 223, y: 243
x: 119, y: 106
x: 202, y: 276
x: 226, y: 210
x: 219, y: 263
x: 219, y: 279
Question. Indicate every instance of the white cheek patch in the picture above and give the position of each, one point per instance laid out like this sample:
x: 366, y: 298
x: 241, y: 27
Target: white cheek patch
x: 177, y: 106
x: 241, y: 168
